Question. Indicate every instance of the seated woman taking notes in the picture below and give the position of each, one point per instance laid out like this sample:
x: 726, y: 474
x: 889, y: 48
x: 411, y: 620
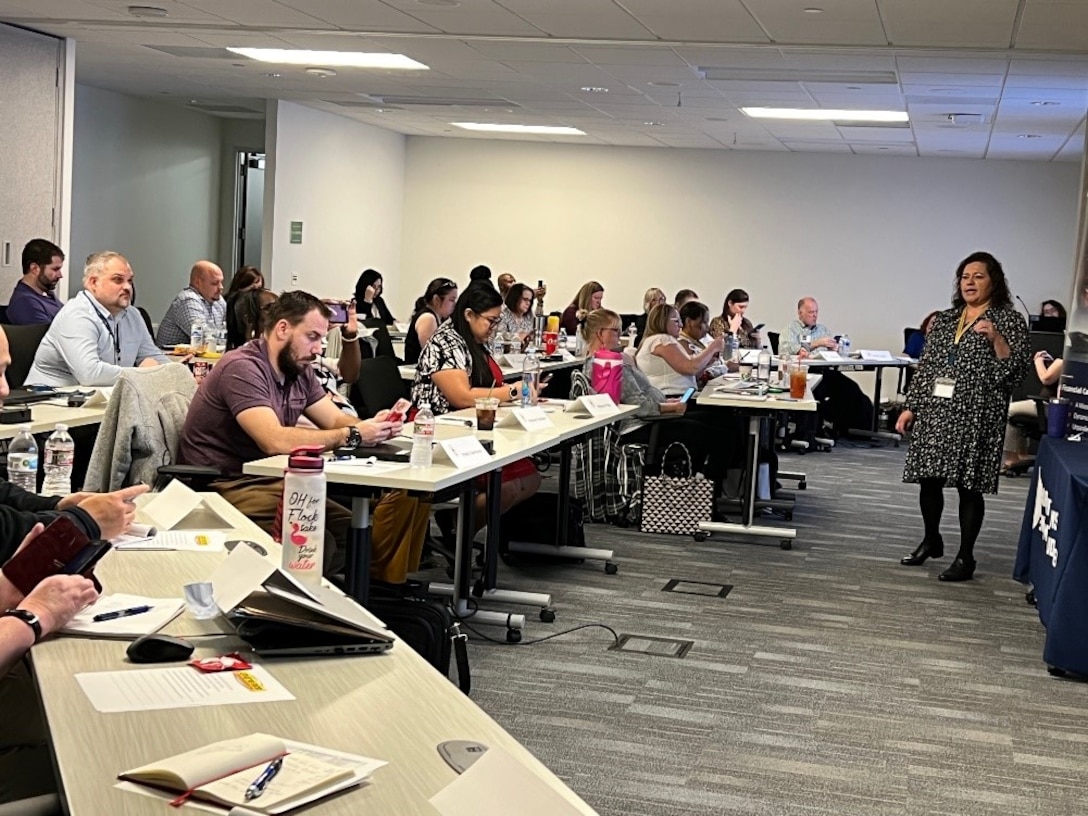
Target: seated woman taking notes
x: 668, y: 364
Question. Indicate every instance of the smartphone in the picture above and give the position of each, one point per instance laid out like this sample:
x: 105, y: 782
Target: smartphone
x: 760, y: 326
x: 687, y: 395
x: 46, y: 555
x: 339, y: 312
x: 86, y: 558
x: 399, y: 411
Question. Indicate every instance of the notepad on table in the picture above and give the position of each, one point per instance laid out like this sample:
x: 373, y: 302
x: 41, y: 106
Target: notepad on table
x: 162, y: 611
x: 221, y: 772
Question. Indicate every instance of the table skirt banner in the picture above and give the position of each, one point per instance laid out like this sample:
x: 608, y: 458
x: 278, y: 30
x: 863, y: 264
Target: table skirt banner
x: 1053, y: 551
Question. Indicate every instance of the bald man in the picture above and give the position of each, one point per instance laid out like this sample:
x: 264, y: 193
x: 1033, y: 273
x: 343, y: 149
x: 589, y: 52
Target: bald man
x: 201, y: 301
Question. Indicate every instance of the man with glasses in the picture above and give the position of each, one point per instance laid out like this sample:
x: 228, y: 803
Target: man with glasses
x: 98, y: 332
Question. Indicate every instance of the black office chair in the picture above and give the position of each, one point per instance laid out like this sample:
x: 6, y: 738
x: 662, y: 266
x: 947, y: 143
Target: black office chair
x: 379, y: 386
x: 3, y: 314
x: 381, y: 336
x: 772, y: 337
x: 1034, y: 428
x: 147, y: 319
x: 905, y: 374
x: 23, y: 342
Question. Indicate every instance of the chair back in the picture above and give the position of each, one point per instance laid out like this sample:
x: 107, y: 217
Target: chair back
x: 380, y: 334
x: 23, y: 342
x: 3, y: 314
x: 378, y: 387
x: 141, y: 428
x: 907, y: 334
x: 1051, y: 342
x: 147, y: 319
x: 772, y: 337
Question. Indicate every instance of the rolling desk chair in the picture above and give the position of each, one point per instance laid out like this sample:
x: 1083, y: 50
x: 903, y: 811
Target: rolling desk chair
x: 379, y: 386
x: 1034, y: 428
x: 23, y: 342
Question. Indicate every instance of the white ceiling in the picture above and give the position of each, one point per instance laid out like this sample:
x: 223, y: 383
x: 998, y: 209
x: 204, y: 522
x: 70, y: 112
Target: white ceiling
x: 1021, y: 64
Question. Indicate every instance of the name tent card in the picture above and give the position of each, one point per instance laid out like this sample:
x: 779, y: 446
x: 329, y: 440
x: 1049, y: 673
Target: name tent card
x: 464, y: 451
x: 829, y: 356
x: 596, y: 405
x: 875, y: 356
x: 531, y: 418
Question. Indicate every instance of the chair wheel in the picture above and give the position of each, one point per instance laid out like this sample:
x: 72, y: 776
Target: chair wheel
x: 547, y: 615
x: 700, y: 536
x: 802, y: 485
x: 610, y: 568
x: 513, y: 636
x: 1054, y: 671
x: 785, y: 544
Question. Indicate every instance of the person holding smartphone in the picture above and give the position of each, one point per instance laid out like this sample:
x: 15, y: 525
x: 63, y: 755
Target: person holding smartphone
x: 734, y: 320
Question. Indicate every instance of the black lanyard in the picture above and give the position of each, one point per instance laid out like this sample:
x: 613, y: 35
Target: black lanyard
x: 115, y: 336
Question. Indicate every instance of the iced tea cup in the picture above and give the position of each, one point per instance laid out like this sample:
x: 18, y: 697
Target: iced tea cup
x: 798, y: 381
x: 485, y: 413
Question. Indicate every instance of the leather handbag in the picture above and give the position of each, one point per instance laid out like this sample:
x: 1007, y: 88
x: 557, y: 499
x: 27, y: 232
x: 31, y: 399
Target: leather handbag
x: 674, y: 505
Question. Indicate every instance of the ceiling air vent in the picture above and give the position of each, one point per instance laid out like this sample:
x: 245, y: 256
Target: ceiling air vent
x: 965, y: 118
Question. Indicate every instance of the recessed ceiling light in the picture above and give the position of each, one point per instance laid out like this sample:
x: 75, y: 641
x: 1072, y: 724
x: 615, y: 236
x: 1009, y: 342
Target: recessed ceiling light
x: 853, y: 87
x: 654, y: 124
x: 1028, y: 136
x: 443, y: 3
x: 341, y: 59
x: 814, y: 10
x: 544, y: 130
x: 148, y: 11
x: 272, y: 75
x: 662, y: 84
x: 1045, y: 103
x: 818, y: 115
x: 593, y: 89
x: 324, y: 73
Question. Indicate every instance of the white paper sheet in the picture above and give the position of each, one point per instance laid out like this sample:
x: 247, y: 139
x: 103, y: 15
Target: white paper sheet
x: 493, y: 782
x: 163, y: 610
x: 184, y: 687
x: 171, y: 505
x: 187, y: 540
x: 876, y: 355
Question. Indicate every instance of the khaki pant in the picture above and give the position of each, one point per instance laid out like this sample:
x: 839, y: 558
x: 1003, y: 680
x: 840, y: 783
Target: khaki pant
x: 399, y: 525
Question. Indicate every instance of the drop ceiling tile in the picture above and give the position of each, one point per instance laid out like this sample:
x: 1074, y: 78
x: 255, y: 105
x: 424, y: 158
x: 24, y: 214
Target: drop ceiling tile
x: 702, y: 20
x: 839, y: 60
x: 528, y: 52
x: 1054, y: 25
x: 65, y: 10
x: 726, y: 57
x: 824, y: 131
x: 255, y: 13
x: 481, y: 17
x: 862, y: 149
x: 817, y: 147
x: 1068, y: 83
x: 579, y: 18
x: 934, y: 80
x: 842, y: 22
x: 975, y: 23
x: 879, y: 135
x: 629, y: 55
x: 953, y: 65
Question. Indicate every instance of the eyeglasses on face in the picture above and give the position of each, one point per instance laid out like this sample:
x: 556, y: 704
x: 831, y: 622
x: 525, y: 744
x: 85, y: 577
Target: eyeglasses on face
x: 491, y: 321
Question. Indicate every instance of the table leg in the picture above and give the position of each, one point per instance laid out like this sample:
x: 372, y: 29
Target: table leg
x: 877, y: 396
x: 494, y: 519
x: 562, y: 531
x: 358, y: 555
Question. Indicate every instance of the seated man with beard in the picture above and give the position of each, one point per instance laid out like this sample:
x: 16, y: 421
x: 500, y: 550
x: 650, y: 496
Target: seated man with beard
x: 247, y: 408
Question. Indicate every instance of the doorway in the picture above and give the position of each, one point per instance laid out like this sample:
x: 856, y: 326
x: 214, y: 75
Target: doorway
x: 249, y: 210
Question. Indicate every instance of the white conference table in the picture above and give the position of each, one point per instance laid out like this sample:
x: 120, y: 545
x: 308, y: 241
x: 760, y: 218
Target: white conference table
x: 510, y: 374
x: 392, y: 706
x: 510, y: 445
x: 758, y: 409
x: 44, y: 417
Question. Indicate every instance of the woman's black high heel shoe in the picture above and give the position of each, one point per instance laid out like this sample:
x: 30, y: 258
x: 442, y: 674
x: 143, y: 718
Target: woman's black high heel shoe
x: 927, y: 549
x: 961, y: 570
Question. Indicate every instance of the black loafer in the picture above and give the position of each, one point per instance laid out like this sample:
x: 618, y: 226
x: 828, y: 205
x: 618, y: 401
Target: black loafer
x: 926, y: 549
x: 960, y: 570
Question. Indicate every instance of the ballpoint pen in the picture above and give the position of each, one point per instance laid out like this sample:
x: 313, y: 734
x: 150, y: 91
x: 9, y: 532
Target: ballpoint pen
x: 121, y: 613
x: 261, y: 782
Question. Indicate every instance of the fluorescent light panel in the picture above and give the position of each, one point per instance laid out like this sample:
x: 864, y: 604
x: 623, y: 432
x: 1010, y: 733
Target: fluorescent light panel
x: 346, y: 59
x: 811, y: 115
x: 544, y: 130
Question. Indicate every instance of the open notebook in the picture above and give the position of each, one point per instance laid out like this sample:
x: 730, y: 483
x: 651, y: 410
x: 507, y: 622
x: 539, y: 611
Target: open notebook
x: 221, y: 772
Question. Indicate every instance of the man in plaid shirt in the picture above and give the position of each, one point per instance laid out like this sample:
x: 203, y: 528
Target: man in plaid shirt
x: 201, y: 301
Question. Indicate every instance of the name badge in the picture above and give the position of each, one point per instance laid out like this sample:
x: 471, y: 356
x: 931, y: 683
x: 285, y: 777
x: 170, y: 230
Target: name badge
x: 944, y: 387
x: 464, y: 451
x: 529, y: 418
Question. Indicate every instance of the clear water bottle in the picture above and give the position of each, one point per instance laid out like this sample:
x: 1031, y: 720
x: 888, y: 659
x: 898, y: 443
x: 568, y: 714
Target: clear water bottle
x: 196, y: 337
x: 60, y: 454
x: 844, y: 346
x: 562, y: 339
x: 23, y: 460
x: 422, y: 437
x: 302, y: 520
x: 732, y: 347
x: 496, y: 345
x: 632, y: 333
x: 530, y: 378
x: 579, y: 343
x: 763, y: 367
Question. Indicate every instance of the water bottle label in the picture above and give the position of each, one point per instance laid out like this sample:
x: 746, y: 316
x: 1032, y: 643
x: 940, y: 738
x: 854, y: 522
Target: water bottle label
x: 23, y: 462
x: 59, y: 457
x: 303, y: 520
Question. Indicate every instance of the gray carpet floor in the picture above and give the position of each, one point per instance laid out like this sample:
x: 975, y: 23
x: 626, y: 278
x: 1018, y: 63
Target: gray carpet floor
x: 830, y: 680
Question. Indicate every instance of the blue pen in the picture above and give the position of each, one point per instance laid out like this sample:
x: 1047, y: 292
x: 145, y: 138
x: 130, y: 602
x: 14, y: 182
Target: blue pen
x: 121, y: 613
x: 261, y: 782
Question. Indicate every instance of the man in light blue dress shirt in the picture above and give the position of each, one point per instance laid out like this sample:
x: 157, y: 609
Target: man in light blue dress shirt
x: 98, y: 332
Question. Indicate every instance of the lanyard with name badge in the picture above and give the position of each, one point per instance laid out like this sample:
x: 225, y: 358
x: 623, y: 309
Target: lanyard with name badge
x: 945, y: 387
x: 115, y: 336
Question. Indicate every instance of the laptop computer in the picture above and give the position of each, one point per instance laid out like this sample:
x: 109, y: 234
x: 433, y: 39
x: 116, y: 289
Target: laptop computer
x: 274, y: 626
x: 26, y: 396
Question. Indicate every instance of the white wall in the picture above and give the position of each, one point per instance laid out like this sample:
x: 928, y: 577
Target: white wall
x: 345, y: 181
x: 146, y: 184
x: 876, y: 240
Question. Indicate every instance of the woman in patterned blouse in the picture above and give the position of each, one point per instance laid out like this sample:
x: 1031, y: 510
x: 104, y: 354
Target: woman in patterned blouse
x: 517, y: 312
x: 975, y: 355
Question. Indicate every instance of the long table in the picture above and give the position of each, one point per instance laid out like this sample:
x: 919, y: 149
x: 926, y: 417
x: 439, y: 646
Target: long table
x: 44, y: 417
x: 1053, y: 551
x: 408, y: 372
x: 393, y: 706
x: 510, y: 445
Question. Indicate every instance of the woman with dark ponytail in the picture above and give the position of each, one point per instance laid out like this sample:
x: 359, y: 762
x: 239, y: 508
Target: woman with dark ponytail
x: 368, y: 298
x: 432, y: 307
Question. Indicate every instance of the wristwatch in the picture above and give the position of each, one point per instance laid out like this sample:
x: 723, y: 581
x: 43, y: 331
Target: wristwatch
x: 513, y: 393
x: 355, y: 439
x: 29, y: 618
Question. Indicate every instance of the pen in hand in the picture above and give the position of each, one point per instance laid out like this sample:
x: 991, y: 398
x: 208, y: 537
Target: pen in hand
x: 261, y: 782
x: 121, y: 613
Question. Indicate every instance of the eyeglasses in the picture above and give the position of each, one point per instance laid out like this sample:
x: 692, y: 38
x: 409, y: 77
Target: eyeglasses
x: 611, y: 328
x: 491, y: 321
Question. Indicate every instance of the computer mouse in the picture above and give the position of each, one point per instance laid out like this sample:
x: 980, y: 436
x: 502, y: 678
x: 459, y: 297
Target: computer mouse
x: 155, y: 648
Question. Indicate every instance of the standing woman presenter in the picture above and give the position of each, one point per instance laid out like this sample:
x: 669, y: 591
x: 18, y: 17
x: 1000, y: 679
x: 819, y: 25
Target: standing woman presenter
x: 976, y: 354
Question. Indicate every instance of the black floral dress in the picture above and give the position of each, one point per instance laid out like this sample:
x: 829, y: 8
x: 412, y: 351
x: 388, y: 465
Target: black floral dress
x: 960, y: 439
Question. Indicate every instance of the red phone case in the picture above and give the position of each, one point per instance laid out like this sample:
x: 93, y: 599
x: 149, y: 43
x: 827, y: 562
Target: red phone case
x: 46, y: 555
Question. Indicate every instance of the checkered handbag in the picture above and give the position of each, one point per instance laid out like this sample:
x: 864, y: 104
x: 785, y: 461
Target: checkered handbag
x: 675, y: 505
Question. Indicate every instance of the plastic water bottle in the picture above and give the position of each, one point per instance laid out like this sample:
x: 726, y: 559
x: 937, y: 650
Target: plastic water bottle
x: 763, y: 366
x: 196, y: 337
x: 302, y: 530
x: 844, y: 346
x: 732, y: 346
x: 422, y: 437
x: 632, y: 333
x: 497, y: 346
x: 530, y: 378
x: 60, y: 453
x: 23, y: 460
x: 579, y: 343
x: 562, y: 339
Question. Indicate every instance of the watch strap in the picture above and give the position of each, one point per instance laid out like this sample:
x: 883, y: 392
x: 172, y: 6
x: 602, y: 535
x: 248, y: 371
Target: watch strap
x: 27, y: 617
